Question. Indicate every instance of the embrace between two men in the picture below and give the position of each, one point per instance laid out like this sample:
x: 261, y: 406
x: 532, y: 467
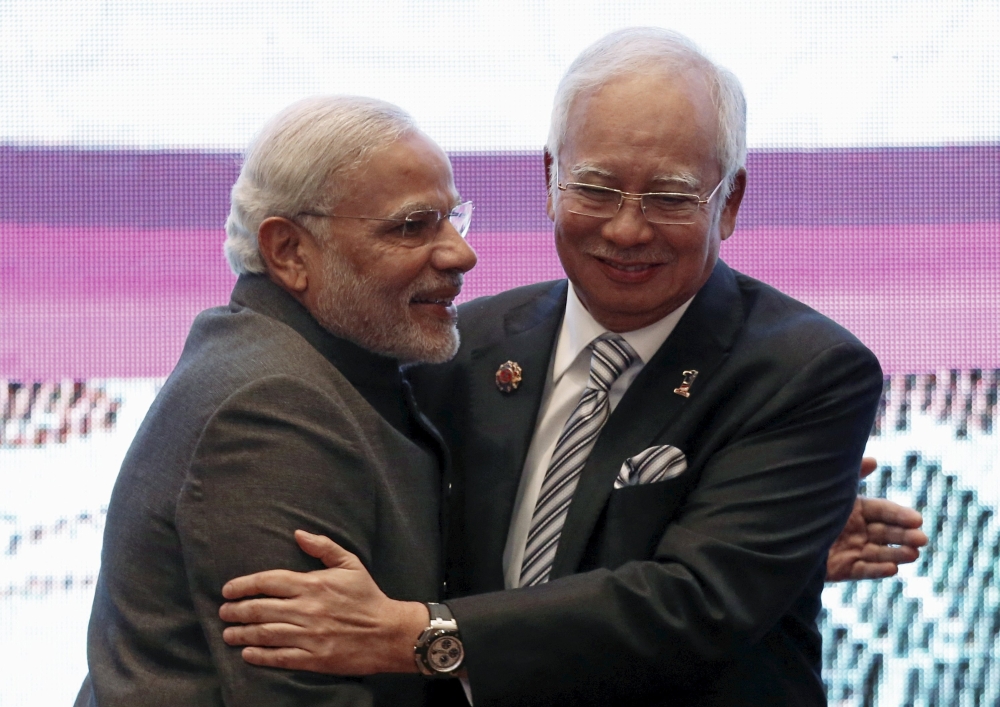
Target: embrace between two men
x: 618, y: 488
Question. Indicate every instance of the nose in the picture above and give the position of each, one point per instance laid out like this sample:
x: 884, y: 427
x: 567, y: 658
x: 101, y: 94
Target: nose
x: 629, y: 226
x: 451, y: 251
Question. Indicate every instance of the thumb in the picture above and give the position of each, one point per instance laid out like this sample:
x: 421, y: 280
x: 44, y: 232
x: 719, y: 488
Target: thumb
x: 325, y: 550
x: 868, y: 465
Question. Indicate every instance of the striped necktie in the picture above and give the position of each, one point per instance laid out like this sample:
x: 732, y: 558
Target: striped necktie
x: 611, y: 355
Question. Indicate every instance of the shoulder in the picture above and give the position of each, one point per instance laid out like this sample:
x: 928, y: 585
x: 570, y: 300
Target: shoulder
x: 290, y: 418
x: 238, y: 357
x: 231, y: 347
x: 788, y: 328
x: 255, y: 340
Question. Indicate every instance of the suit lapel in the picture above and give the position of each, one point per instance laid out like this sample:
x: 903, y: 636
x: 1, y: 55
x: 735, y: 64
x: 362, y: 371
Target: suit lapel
x: 700, y: 342
x: 505, y: 422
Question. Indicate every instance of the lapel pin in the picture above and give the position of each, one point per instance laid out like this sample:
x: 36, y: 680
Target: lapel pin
x: 684, y: 389
x: 508, y: 377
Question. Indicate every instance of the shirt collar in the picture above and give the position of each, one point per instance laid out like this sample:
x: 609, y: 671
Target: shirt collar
x: 579, y: 329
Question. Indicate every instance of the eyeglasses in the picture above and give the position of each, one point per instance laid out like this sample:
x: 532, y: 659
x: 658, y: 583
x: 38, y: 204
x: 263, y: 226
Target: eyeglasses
x: 417, y: 224
x: 657, y: 207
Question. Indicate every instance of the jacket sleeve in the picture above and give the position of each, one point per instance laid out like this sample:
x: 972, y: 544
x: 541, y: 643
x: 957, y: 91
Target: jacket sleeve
x: 276, y: 456
x: 751, y: 535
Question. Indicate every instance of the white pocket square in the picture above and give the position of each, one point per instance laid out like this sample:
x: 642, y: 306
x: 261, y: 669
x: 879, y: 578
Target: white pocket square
x: 649, y: 465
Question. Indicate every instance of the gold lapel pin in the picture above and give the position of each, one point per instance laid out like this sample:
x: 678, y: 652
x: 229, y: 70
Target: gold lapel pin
x: 508, y: 377
x: 684, y: 389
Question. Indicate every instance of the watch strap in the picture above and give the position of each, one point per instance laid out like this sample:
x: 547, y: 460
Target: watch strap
x: 440, y: 613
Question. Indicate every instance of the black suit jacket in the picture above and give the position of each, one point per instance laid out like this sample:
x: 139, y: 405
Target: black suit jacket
x: 699, y: 590
x: 267, y: 424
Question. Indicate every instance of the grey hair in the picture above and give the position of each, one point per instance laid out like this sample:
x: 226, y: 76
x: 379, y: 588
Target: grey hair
x: 300, y: 160
x: 639, y: 49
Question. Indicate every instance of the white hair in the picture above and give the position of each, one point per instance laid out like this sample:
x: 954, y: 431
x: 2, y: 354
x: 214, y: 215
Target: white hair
x: 299, y: 161
x: 641, y: 49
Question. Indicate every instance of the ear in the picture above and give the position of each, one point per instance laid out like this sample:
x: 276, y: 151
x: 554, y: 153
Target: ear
x: 285, y: 247
x: 549, y: 167
x: 727, y: 222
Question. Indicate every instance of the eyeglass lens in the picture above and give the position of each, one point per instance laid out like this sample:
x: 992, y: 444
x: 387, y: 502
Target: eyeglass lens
x: 421, y: 223
x: 425, y: 223
x: 461, y: 218
x: 664, y: 208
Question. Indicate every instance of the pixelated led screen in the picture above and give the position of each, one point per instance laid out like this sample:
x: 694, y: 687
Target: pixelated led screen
x: 874, y: 176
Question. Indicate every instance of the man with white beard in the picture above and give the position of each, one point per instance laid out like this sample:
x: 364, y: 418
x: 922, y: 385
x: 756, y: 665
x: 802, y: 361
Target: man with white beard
x: 288, y: 410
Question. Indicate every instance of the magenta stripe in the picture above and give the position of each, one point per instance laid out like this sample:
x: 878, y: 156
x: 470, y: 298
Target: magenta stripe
x: 92, y: 301
x: 84, y: 302
x: 922, y: 297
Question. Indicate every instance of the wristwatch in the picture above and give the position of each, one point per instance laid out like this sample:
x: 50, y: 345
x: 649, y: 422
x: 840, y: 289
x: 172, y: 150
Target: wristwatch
x: 439, y: 651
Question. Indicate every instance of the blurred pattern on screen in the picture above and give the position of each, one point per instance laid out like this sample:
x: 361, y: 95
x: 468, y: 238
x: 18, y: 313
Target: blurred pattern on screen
x: 874, y: 176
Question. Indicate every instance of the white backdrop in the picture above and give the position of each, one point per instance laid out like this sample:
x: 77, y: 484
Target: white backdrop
x: 480, y: 75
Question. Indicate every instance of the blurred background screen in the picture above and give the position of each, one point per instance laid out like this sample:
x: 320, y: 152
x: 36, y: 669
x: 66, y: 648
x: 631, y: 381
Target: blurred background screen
x: 874, y: 176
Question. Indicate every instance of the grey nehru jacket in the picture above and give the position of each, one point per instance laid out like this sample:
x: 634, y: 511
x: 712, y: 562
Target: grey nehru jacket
x: 268, y: 423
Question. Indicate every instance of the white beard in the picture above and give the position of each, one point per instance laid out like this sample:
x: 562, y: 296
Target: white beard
x: 351, y: 305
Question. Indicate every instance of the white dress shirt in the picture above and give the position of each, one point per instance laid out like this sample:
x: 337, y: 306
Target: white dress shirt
x: 567, y: 378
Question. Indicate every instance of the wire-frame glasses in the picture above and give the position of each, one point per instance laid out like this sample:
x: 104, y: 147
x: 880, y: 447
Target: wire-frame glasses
x: 417, y: 225
x: 657, y: 207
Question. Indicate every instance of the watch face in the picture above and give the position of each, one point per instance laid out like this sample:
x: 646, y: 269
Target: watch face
x: 445, y: 653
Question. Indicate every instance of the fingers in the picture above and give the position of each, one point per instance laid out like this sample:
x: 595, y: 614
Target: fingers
x: 868, y: 465
x: 285, y: 583
x: 276, y: 583
x: 886, y: 553
x: 324, y: 549
x: 260, y: 611
x: 880, y: 534
x: 288, y: 658
x: 881, y: 510
x: 269, y: 634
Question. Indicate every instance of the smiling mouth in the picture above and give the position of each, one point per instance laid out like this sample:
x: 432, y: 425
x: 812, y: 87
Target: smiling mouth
x: 628, y: 267
x: 439, y: 297
x: 439, y: 292
x: 427, y: 300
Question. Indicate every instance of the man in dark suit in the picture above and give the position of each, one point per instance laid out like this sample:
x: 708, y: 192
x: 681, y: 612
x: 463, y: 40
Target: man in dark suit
x: 657, y: 454
x: 288, y: 410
